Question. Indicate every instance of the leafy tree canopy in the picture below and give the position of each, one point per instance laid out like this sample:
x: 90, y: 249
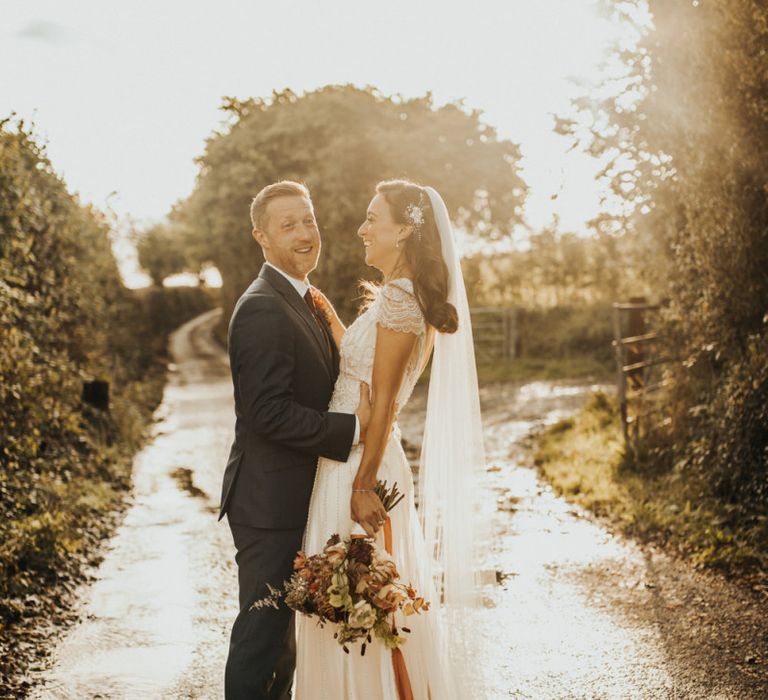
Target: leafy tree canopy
x: 161, y: 252
x: 341, y: 140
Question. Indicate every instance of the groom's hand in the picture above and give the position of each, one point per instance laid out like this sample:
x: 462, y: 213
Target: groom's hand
x: 363, y: 412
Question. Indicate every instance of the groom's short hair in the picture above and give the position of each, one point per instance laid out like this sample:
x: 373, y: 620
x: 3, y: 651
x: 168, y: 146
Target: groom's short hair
x: 284, y: 188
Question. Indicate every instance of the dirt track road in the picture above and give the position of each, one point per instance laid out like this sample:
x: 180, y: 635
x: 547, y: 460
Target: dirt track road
x: 582, y: 613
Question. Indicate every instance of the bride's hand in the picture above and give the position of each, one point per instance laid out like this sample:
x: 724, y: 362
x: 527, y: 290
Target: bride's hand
x: 367, y: 510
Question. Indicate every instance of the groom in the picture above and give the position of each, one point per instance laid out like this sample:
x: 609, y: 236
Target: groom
x: 284, y: 364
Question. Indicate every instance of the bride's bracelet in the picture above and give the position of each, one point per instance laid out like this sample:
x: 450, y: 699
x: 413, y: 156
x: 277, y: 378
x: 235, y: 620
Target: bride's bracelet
x: 363, y: 491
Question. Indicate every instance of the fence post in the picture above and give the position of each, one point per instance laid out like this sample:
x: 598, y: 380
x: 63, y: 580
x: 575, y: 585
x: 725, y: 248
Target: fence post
x: 636, y: 352
x: 504, y: 333
x: 618, y: 350
x: 513, y: 338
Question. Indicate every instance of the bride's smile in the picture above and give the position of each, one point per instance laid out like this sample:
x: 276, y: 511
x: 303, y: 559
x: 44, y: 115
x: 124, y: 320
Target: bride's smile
x: 383, y: 239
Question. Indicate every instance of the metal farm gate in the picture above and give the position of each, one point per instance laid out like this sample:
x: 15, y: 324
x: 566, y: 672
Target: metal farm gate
x: 639, y: 359
x: 495, y: 333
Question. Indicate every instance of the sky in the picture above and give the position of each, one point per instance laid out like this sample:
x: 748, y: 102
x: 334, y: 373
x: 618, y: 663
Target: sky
x: 125, y: 93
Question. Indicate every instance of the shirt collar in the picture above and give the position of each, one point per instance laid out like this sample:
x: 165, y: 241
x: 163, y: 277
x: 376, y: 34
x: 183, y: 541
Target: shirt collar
x: 301, y: 286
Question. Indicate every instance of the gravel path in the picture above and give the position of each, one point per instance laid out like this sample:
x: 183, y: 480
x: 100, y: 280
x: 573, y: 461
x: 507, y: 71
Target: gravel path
x: 581, y: 612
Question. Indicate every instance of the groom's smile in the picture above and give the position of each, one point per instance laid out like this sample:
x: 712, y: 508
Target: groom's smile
x: 289, y: 235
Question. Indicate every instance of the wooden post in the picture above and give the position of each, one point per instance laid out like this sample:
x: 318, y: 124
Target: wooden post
x: 511, y: 333
x: 504, y: 334
x: 618, y: 349
x: 636, y: 351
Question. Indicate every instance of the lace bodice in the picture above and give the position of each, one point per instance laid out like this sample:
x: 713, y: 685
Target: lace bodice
x: 394, y: 307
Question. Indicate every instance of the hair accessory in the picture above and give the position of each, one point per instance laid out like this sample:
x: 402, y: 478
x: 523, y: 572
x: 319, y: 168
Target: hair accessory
x: 415, y: 215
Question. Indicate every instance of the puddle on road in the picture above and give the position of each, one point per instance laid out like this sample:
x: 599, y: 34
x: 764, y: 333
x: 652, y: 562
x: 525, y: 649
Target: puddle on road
x: 156, y: 622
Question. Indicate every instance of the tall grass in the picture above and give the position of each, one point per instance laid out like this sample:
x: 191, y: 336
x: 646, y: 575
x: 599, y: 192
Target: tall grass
x: 584, y: 460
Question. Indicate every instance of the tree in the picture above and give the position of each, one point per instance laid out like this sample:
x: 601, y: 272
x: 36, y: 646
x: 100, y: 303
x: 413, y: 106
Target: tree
x: 341, y: 140
x: 161, y: 252
x: 687, y: 138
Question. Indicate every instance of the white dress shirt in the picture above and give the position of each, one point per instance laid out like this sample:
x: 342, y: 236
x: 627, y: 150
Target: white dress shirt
x: 301, y: 286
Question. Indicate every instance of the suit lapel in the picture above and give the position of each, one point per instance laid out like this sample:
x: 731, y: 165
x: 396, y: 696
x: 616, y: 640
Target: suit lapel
x: 289, y: 293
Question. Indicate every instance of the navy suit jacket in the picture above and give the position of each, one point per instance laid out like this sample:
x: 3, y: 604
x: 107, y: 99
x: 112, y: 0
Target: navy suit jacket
x: 284, y: 367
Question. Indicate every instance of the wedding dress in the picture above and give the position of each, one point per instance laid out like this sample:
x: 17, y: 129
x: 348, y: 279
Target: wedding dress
x: 323, y: 670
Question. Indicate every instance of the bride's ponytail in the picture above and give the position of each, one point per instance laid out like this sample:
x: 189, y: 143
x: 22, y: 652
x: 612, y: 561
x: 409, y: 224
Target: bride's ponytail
x: 423, y: 253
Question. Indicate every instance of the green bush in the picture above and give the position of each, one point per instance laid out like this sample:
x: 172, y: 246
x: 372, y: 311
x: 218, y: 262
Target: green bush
x: 66, y: 318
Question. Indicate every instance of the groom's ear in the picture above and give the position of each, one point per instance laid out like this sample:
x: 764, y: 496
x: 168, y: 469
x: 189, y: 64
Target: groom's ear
x: 260, y: 237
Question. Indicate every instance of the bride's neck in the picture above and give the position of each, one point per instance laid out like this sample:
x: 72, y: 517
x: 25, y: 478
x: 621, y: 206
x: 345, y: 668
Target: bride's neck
x: 400, y: 268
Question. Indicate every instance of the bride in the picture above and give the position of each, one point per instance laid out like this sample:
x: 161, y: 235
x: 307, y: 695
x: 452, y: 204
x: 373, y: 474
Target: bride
x: 420, y: 309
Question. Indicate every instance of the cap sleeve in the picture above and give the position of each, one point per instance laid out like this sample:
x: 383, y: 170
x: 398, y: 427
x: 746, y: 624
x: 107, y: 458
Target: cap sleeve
x: 398, y: 308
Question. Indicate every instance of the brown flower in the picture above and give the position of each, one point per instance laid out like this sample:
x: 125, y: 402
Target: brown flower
x: 361, y: 550
x: 327, y: 610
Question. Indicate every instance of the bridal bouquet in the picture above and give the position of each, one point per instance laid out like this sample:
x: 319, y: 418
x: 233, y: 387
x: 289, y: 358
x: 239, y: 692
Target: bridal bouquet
x: 353, y: 585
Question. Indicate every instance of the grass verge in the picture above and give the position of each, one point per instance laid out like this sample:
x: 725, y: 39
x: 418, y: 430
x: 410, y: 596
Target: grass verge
x: 583, y: 458
x: 46, y: 555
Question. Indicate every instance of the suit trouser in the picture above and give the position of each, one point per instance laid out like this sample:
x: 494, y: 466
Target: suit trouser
x: 262, y: 647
